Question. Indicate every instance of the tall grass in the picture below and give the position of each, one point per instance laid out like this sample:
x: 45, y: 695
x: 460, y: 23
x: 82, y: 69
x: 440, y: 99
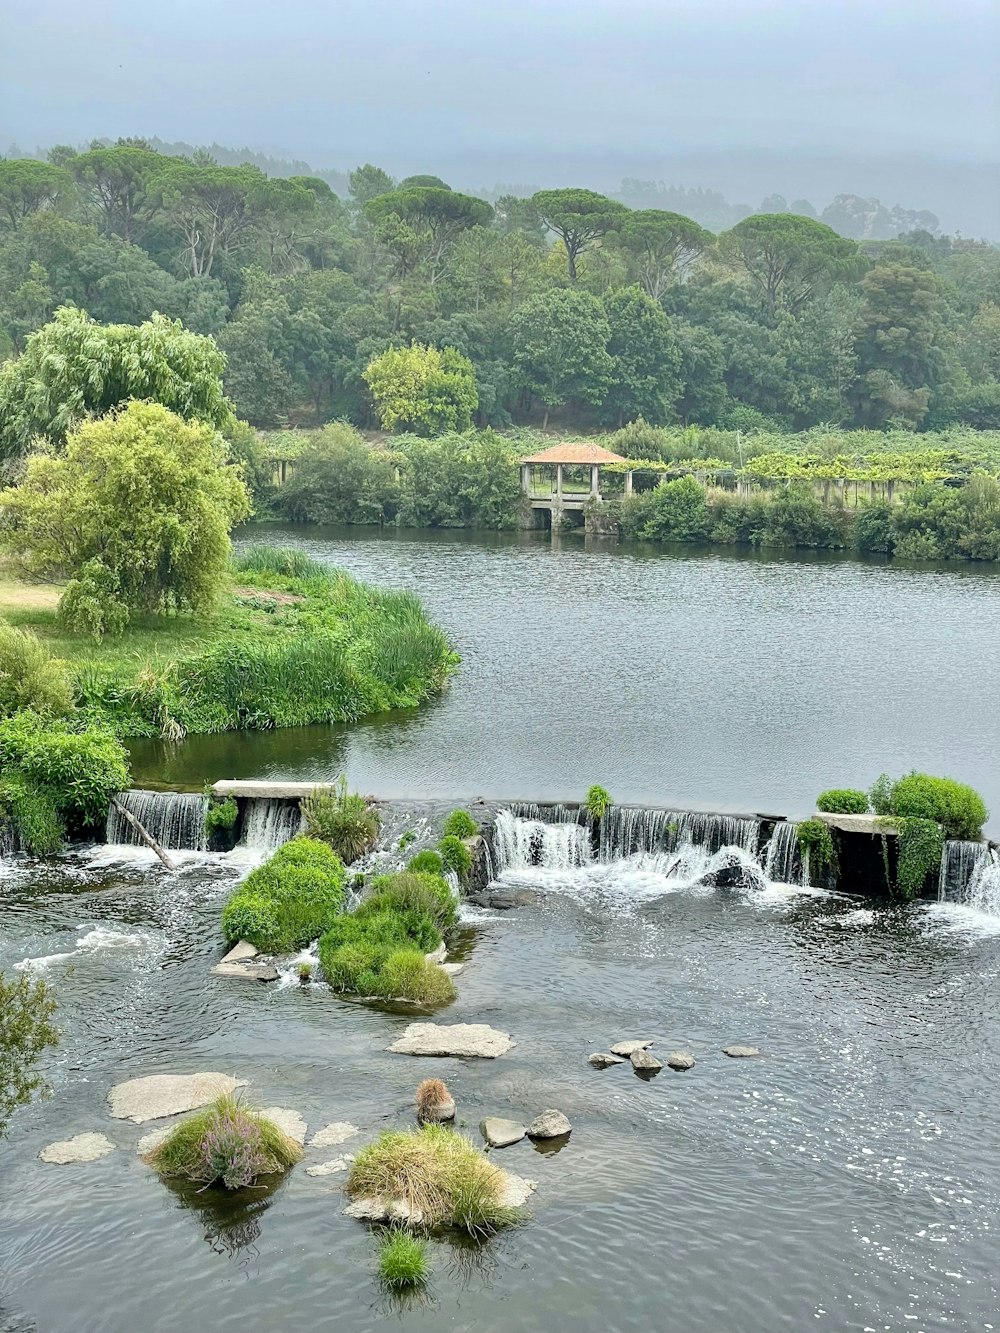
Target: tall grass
x: 402, y: 1260
x: 225, y: 1144
x: 342, y: 819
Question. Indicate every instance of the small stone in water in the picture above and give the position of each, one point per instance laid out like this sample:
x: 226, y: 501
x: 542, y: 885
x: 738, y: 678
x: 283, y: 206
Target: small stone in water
x: 642, y: 1059
x: 680, y: 1060
x: 549, y: 1125
x: 80, y: 1148
x: 330, y: 1135
x: 500, y: 1133
x: 290, y: 1122
x: 602, y: 1060
x: 740, y: 1052
x: 627, y: 1047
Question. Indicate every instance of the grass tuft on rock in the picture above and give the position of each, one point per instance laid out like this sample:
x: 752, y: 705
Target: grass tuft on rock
x: 460, y: 824
x: 343, y: 819
x: 225, y: 1144
x: 402, y: 1260
x: 437, y: 1173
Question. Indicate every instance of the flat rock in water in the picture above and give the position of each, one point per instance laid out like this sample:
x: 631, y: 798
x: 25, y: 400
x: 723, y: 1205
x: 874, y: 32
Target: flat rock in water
x: 642, y: 1059
x: 453, y: 969
x: 500, y: 1133
x: 241, y: 952
x: 437, y: 955
x: 375, y: 1209
x: 740, y: 1052
x: 329, y: 1168
x: 627, y: 1047
x: 152, y: 1140
x: 602, y: 1060
x: 330, y: 1135
x: 160, y: 1095
x: 246, y: 971
x: 472, y: 1039
x: 287, y: 1120
x: 680, y: 1060
x: 549, y: 1125
x: 515, y: 1190
x: 80, y: 1148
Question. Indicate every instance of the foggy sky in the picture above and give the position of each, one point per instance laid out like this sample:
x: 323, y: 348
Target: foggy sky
x: 749, y: 96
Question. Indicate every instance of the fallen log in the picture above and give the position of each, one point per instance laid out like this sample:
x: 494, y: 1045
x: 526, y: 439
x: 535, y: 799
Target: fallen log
x: 143, y: 833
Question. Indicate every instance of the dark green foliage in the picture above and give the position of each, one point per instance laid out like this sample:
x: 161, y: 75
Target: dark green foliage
x: 796, y: 517
x: 289, y: 901
x: 460, y: 824
x: 957, y: 807
x: 874, y: 530
x: 343, y: 819
x: 402, y: 1260
x: 598, y: 802
x: 880, y: 794
x: 27, y: 1005
x: 428, y: 861
x: 842, y: 801
x: 221, y: 815
x: 678, y: 512
x: 921, y: 843
x: 815, y: 842
x: 455, y: 856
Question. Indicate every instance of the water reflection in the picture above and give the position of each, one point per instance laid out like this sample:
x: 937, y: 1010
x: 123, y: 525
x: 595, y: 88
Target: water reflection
x: 230, y: 1220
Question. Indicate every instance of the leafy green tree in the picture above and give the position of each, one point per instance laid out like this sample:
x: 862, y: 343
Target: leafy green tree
x: 789, y: 259
x: 27, y: 186
x: 115, y: 182
x: 141, y: 498
x: 73, y: 367
x: 27, y: 1006
x: 646, y: 361
x: 435, y: 216
x: 898, y: 330
x: 431, y: 182
x: 459, y: 480
x: 424, y: 389
x: 578, y: 218
x: 559, y: 348
x: 661, y: 246
x: 340, y: 478
x: 369, y: 182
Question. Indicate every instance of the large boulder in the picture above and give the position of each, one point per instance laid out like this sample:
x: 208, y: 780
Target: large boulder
x: 549, y: 1125
x: 501, y: 1133
x: 468, y: 1039
x: 160, y: 1095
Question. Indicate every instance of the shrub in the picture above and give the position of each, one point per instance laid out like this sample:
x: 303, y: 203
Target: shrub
x: 455, y: 856
x: 221, y: 815
x: 30, y: 677
x: 880, y: 794
x: 407, y: 975
x: 435, y: 1172
x: 921, y: 843
x: 92, y: 602
x: 816, y: 843
x: 409, y: 891
x: 679, y: 512
x: 343, y: 819
x: 225, y: 1144
x: 842, y: 801
x: 874, y: 530
x: 26, y: 1032
x: 957, y: 807
x: 460, y: 824
x: 402, y: 1260
x: 598, y: 802
x: 796, y: 517
x: 426, y: 862
x: 289, y: 901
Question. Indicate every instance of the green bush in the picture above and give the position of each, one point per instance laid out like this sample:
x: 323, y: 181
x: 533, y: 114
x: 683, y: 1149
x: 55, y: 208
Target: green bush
x: 289, y: 901
x: 816, y: 843
x: 598, y: 802
x: 402, y: 1260
x: 426, y: 862
x: 954, y: 805
x: 460, y: 824
x: 679, y: 512
x: 343, y: 819
x: 842, y: 801
x: 30, y: 677
x: 921, y: 843
x: 429, y: 894
x: 221, y: 815
x: 407, y: 975
x: 455, y: 856
x: 874, y: 530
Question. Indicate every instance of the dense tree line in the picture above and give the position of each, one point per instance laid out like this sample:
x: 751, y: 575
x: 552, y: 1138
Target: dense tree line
x: 570, y: 306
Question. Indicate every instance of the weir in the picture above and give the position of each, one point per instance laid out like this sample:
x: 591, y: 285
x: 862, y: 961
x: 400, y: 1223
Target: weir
x: 970, y: 874
x: 175, y: 819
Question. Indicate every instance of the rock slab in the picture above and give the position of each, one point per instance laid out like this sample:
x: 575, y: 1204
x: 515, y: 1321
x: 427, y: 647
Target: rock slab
x: 330, y: 1135
x: 246, y: 971
x: 680, y: 1060
x: 160, y: 1095
x: 453, y: 969
x: 501, y: 1133
x: 740, y: 1052
x: 241, y: 952
x: 80, y: 1148
x: 437, y: 955
x: 469, y: 1039
x: 329, y: 1168
x: 642, y: 1059
x: 287, y: 1120
x: 626, y: 1048
x: 549, y: 1125
x: 602, y: 1060
x: 515, y: 1190
x: 375, y: 1209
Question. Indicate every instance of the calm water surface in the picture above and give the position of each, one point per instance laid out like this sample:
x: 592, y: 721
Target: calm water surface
x: 691, y: 679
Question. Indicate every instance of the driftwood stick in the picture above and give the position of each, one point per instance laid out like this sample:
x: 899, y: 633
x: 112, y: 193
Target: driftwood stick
x: 146, y: 836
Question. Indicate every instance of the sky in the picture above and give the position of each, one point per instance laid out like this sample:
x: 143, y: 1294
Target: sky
x: 802, y: 97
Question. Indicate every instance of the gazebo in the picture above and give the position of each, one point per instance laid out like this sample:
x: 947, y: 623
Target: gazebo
x: 557, y: 493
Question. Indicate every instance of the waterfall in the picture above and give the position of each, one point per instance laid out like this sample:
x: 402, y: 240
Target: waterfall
x: 782, y: 856
x: 627, y: 831
x: 267, y: 823
x: 524, y: 839
x: 970, y: 874
x: 175, y: 819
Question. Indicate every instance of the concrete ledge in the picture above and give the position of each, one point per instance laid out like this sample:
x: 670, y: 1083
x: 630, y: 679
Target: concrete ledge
x: 268, y: 791
x: 876, y: 825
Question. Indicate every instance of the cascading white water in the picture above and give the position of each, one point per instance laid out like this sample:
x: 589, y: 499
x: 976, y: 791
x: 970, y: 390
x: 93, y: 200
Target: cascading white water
x: 783, y: 857
x: 520, y: 841
x: 970, y: 875
x: 175, y: 819
x: 626, y: 831
x: 268, y: 823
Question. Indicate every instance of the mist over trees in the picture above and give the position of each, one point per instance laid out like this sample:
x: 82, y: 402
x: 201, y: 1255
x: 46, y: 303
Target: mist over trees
x: 572, y: 307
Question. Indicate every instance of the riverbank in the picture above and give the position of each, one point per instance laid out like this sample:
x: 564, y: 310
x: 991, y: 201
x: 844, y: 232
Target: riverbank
x: 292, y: 642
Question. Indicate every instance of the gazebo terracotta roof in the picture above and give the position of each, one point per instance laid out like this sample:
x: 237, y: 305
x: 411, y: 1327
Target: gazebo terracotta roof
x: 578, y: 451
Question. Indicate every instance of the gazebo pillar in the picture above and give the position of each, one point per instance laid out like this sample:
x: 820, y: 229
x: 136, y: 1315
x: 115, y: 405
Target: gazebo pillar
x: 595, y: 488
x: 559, y: 468
x: 628, y: 483
x: 526, y: 478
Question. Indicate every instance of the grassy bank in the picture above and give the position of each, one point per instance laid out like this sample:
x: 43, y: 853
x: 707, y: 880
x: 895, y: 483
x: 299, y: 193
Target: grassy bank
x: 291, y: 642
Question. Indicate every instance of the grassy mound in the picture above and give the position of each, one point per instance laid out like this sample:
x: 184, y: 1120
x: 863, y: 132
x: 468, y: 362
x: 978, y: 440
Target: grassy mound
x: 379, y: 949
x: 290, y: 900
x: 402, y: 1260
x: 294, y: 642
x: 438, y: 1173
x: 225, y: 1144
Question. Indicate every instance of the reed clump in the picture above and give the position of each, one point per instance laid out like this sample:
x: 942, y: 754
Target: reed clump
x: 225, y: 1144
